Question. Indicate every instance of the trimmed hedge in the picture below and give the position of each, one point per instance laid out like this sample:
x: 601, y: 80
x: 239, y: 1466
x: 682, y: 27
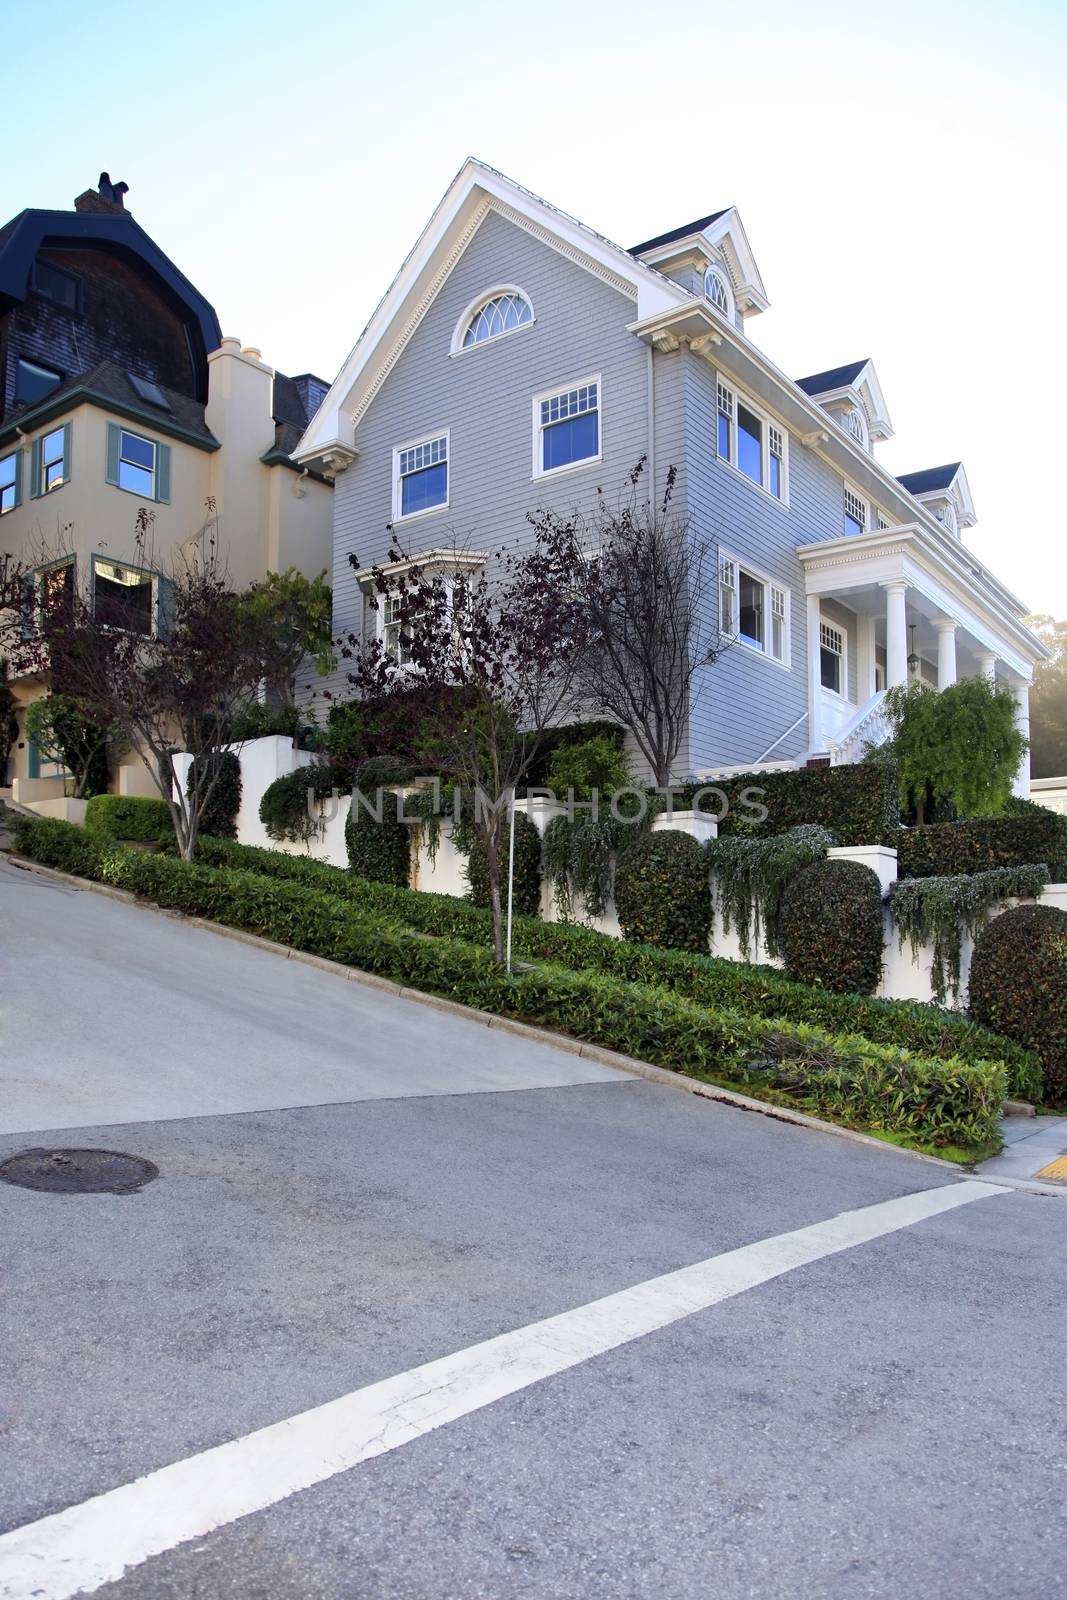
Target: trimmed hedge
x: 219, y: 816
x: 1018, y: 984
x: 707, y: 980
x: 945, y: 849
x: 663, y: 892
x: 949, y: 1101
x: 380, y: 851
x: 832, y: 927
x: 860, y: 802
x: 527, y: 893
x: 141, y: 819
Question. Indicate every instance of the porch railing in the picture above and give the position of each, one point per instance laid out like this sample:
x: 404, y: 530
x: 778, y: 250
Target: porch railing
x: 870, y: 726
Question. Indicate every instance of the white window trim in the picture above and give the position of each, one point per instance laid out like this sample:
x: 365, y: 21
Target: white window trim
x: 838, y: 627
x: 847, y: 489
x: 769, y: 421
x: 153, y: 471
x: 455, y: 564
x: 410, y: 444
x: 13, y: 455
x: 714, y: 270
x: 539, y: 470
x: 769, y: 583
x: 458, y: 348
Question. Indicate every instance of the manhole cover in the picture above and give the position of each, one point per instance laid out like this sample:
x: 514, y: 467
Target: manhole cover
x: 78, y: 1171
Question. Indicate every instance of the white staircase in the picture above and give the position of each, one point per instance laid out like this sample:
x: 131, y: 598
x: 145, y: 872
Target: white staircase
x: 870, y: 726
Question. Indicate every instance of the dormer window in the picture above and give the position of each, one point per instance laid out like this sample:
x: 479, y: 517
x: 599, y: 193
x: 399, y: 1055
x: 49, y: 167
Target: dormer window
x: 503, y: 310
x: 717, y: 290
x: 857, y: 426
x: 947, y: 515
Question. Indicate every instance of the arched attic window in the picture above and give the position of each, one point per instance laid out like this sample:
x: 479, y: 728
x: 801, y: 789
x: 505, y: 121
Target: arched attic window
x: 856, y: 424
x: 503, y: 310
x: 717, y: 290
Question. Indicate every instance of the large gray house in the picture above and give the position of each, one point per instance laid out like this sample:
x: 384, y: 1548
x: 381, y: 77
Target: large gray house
x: 519, y: 359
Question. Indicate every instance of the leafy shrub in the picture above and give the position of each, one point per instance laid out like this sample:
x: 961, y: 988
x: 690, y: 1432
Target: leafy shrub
x: 70, y: 731
x: 708, y: 980
x: 935, y: 911
x: 527, y: 894
x: 379, y: 850
x: 832, y: 931
x: 662, y: 892
x: 1018, y: 985
x: 139, y: 818
x: 598, y: 763
x: 395, y: 726
x: 579, y: 858
x: 259, y: 721
x: 858, y: 802
x: 950, y: 1101
x: 555, y: 740
x: 751, y: 875
x: 219, y: 816
x: 957, y: 747
x: 283, y: 809
x: 1015, y: 840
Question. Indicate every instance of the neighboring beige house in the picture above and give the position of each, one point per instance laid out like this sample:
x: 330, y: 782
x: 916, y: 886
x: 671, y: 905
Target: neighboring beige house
x: 120, y: 396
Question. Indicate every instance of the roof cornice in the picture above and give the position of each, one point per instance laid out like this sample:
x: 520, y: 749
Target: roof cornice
x: 84, y: 394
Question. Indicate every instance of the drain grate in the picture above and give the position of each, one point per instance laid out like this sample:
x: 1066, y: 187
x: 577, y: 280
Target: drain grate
x: 78, y: 1171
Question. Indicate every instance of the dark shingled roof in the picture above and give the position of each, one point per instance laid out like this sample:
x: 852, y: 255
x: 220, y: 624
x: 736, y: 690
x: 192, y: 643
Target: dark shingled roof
x: 108, y: 381
x: 679, y: 233
x: 291, y: 413
x: 929, y: 479
x: 833, y: 378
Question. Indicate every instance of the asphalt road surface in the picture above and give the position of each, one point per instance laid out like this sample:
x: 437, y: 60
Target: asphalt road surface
x: 417, y: 1310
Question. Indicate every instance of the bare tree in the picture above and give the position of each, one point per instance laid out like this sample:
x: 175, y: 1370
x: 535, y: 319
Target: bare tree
x: 507, y: 643
x: 649, y: 590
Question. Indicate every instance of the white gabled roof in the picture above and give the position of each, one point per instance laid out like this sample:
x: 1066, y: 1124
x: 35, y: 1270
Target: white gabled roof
x: 476, y: 189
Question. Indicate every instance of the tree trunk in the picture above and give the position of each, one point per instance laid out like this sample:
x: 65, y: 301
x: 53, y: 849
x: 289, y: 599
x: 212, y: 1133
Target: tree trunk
x: 493, y: 866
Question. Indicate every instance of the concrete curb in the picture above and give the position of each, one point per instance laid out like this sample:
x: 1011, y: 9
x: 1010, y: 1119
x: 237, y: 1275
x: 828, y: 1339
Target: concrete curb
x: 523, y: 1030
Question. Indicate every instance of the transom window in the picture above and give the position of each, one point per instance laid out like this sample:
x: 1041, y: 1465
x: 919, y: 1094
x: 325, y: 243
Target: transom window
x: 124, y: 597
x: 716, y: 291
x: 567, y: 427
x: 502, y: 314
x: 750, y: 441
x: 753, y: 610
x: 420, y: 476
x: 9, y: 483
x: 855, y: 512
x: 832, y: 657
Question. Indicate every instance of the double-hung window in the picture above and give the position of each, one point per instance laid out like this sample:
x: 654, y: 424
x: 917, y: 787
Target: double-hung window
x: 137, y: 464
x: 753, y: 610
x: 856, y: 517
x: 420, y: 476
x: 10, y: 481
x: 124, y: 597
x: 832, y: 658
x: 396, y: 633
x: 748, y: 439
x: 50, y: 461
x: 566, y: 427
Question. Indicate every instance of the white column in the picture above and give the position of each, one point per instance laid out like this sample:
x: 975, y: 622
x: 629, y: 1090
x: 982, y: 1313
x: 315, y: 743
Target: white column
x: 946, y: 652
x: 987, y: 665
x: 814, y: 675
x: 1022, y: 722
x: 867, y: 656
x: 896, y: 632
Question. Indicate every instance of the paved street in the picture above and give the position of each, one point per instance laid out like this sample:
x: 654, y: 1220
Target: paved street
x: 847, y: 1387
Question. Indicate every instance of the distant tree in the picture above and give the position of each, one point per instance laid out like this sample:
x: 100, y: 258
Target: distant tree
x: 648, y: 586
x: 1048, y: 702
x: 292, y: 616
x: 507, y: 643
x: 958, y: 748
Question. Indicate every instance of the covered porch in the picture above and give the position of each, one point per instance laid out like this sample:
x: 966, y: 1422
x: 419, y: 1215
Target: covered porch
x: 896, y: 606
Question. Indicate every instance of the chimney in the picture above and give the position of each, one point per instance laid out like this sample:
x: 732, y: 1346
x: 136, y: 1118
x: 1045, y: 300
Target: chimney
x: 107, y: 197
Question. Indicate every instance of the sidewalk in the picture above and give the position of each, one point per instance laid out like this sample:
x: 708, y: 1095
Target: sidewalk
x: 1030, y: 1144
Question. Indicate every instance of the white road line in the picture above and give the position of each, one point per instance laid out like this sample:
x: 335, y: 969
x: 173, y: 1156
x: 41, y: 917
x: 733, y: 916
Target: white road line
x: 78, y: 1550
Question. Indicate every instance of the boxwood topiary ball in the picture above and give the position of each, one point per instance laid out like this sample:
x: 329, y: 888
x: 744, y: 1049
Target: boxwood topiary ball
x: 663, y: 892
x: 832, y: 931
x: 1018, y: 986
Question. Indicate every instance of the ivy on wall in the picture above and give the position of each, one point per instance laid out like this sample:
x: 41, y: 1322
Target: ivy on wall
x: 936, y: 911
x: 751, y: 875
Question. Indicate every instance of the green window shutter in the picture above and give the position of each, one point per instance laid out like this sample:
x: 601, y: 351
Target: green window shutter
x: 67, y: 436
x: 114, y: 440
x: 163, y: 472
x: 35, y: 469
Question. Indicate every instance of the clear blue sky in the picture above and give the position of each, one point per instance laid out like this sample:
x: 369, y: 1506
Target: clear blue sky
x: 899, y: 171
